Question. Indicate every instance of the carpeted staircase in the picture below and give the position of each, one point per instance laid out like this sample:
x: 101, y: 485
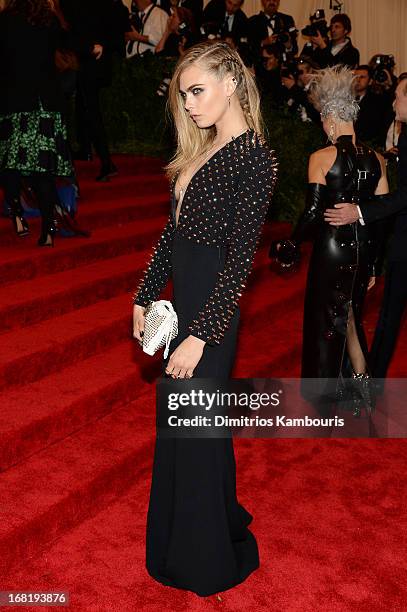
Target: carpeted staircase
x: 77, y: 431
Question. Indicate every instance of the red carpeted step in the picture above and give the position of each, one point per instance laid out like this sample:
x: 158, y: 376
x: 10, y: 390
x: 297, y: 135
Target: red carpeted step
x: 25, y: 434
x: 127, y: 164
x: 49, y: 345
x: 28, y: 354
x: 36, y: 300
x: 125, y: 210
x: 35, y: 415
x: 105, y: 243
x: 113, y: 212
x: 123, y: 188
x: 55, y: 490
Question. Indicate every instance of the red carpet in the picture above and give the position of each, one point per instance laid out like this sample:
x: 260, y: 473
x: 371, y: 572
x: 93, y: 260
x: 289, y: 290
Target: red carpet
x: 77, y: 429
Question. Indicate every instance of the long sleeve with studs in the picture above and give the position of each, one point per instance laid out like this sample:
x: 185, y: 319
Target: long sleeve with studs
x: 225, y: 204
x: 159, y: 268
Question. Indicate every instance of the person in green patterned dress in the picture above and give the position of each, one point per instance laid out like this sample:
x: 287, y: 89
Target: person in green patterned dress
x: 33, y: 137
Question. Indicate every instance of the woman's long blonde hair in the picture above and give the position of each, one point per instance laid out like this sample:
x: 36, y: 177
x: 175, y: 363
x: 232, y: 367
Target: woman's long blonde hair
x: 221, y: 60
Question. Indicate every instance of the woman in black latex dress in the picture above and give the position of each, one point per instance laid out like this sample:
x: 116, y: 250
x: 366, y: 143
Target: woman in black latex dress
x: 222, y: 178
x: 341, y: 268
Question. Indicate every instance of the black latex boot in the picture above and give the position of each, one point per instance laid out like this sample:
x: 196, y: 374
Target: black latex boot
x: 364, y: 396
x: 16, y: 215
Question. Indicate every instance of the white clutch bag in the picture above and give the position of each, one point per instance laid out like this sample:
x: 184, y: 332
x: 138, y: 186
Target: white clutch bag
x: 160, y: 327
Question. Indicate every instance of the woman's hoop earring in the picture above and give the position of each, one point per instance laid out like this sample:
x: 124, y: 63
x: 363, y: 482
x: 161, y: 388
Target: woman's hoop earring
x: 229, y: 101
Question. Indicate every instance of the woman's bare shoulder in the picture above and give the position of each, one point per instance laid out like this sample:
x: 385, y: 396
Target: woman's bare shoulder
x: 327, y: 153
x: 323, y: 158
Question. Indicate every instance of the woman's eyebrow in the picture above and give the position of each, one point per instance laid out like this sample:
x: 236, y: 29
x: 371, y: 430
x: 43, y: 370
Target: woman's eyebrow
x: 191, y: 87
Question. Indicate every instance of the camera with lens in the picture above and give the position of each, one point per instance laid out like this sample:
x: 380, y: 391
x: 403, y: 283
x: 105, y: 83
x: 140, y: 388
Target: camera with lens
x: 318, y: 24
x: 383, y: 65
x: 184, y: 30
x: 185, y: 34
x: 285, y: 37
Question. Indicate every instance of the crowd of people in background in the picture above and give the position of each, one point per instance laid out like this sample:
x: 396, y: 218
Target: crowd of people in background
x: 268, y: 43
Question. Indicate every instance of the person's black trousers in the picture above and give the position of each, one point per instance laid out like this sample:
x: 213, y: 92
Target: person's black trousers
x: 89, y: 119
x: 390, y: 318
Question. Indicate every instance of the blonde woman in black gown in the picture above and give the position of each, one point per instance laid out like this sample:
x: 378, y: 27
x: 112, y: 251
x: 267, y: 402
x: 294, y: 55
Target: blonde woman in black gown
x: 222, y: 177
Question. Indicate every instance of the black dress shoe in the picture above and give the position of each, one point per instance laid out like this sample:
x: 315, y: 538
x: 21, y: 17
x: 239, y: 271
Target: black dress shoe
x: 106, y: 172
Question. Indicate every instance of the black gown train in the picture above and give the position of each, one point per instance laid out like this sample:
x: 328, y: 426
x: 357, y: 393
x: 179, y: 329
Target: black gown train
x: 197, y: 532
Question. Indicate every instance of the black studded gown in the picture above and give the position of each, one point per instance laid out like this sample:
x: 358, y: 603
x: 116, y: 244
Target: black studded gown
x: 341, y: 263
x: 197, y: 532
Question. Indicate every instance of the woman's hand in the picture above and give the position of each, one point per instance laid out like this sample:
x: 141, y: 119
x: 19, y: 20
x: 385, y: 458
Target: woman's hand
x: 319, y: 40
x: 372, y: 282
x: 138, y: 322
x: 185, y: 358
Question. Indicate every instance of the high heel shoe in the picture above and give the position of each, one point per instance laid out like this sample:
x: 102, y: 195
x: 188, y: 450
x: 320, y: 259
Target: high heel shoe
x: 20, y: 225
x: 18, y: 220
x: 46, y: 240
x: 47, y: 234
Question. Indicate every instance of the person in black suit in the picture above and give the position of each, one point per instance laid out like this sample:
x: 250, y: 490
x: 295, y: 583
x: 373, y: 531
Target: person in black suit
x: 395, y: 291
x: 339, y: 49
x: 229, y: 18
x: 98, y: 27
x: 373, y: 120
x: 266, y: 26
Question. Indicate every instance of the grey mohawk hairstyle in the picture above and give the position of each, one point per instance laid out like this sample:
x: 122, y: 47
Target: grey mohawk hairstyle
x: 332, y: 93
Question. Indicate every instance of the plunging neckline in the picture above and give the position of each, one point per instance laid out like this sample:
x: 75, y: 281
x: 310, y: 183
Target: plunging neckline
x: 196, y: 173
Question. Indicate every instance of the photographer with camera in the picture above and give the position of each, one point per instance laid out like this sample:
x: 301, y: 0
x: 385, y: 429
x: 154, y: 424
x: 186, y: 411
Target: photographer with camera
x: 339, y: 50
x: 271, y: 27
x: 296, y: 78
x: 229, y: 19
x: 383, y: 77
x: 317, y: 26
x: 180, y: 32
x: 148, y: 24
